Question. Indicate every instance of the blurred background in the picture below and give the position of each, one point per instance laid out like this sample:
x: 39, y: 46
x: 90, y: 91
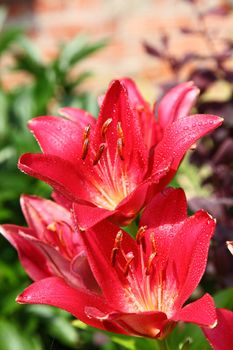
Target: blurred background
x: 57, y: 53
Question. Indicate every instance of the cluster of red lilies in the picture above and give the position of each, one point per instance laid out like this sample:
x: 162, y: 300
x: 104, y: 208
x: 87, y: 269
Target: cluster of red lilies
x: 105, y: 173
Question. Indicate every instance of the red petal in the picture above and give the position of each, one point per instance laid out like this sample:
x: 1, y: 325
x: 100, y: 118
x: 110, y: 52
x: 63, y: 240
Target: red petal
x: 98, y: 244
x: 87, y: 216
x: 221, y: 336
x: 116, y: 106
x: 54, y: 291
x: 77, y: 115
x: 193, y: 240
x: 144, y: 324
x: 163, y: 209
x: 57, y: 172
x: 201, y: 312
x: 40, y: 212
x: 58, y: 136
x: 177, y: 103
x: 180, y: 136
x: 34, y: 262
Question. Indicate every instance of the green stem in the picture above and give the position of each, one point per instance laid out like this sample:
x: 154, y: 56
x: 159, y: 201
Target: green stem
x: 164, y: 344
x: 132, y: 228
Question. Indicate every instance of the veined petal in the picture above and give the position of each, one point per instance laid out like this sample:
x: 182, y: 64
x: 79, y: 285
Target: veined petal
x: 220, y: 337
x: 40, y: 212
x: 99, y: 243
x: 34, y: 262
x: 186, y: 269
x: 79, y: 116
x: 163, y: 209
x: 143, y: 112
x: 180, y: 136
x: 202, y: 312
x: 57, y: 172
x: 177, y: 103
x: 55, y: 292
x: 125, y: 152
x: 87, y: 216
x: 144, y: 324
x: 58, y: 136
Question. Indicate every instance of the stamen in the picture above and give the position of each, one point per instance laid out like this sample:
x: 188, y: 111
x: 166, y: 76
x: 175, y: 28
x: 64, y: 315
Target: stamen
x: 85, y: 148
x: 140, y: 234
x: 129, y: 259
x: 99, y: 153
x: 120, y: 148
x: 153, y: 244
x: 153, y: 254
x: 149, y: 263
x: 105, y: 127
x: 116, y: 247
x: 86, y: 133
x: 120, y: 133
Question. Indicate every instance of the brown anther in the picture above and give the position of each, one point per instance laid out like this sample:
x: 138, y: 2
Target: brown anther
x: 120, y: 133
x: 149, y: 263
x: 120, y: 148
x: 140, y: 234
x: 129, y: 259
x: 52, y: 227
x: 116, y: 247
x: 105, y: 127
x: 85, y: 148
x: 99, y: 153
x: 153, y: 243
x: 86, y: 133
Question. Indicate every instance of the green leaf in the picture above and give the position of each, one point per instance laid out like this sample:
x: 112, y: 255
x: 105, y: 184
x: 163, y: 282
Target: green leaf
x: 78, y: 49
x: 12, y: 338
x: 224, y: 299
x: 8, y: 37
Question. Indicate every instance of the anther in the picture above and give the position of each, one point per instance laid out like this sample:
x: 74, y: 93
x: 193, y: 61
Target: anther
x: 149, y: 263
x: 105, y: 127
x: 120, y: 148
x: 116, y: 247
x: 99, y: 153
x: 153, y: 244
x: 140, y: 234
x: 85, y: 148
x: 120, y: 132
x: 86, y: 133
x: 129, y: 259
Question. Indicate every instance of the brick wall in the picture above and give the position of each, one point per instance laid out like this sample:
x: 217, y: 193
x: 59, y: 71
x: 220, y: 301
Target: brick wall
x: 125, y: 23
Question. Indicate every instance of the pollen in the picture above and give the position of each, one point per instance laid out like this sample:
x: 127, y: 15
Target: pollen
x: 129, y: 259
x: 99, y: 153
x: 105, y: 127
x: 120, y: 148
x: 85, y: 148
x: 140, y: 234
x: 117, y: 245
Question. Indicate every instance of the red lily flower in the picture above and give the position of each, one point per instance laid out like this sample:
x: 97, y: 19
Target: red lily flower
x: 144, y: 283
x: 106, y: 167
x: 48, y: 247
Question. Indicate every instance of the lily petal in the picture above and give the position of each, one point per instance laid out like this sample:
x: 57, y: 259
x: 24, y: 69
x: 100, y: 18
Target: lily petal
x: 40, y: 212
x: 220, y: 337
x: 54, y: 291
x: 193, y: 240
x: 202, y: 312
x: 163, y: 209
x: 77, y: 115
x: 34, y: 262
x: 180, y: 136
x: 177, y: 103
